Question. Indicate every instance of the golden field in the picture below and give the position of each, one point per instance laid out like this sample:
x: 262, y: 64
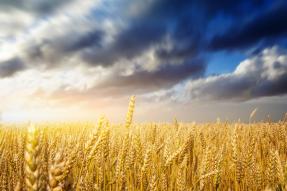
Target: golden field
x: 150, y: 156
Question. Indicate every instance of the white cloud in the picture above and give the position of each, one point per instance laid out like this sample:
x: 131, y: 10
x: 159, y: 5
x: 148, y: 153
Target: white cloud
x: 262, y: 75
x: 13, y: 23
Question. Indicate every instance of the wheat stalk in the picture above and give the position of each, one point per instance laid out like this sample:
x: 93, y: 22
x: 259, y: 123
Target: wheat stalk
x: 130, y: 112
x: 31, y: 159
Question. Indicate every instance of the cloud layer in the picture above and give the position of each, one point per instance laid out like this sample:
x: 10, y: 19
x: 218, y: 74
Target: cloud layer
x: 94, y: 49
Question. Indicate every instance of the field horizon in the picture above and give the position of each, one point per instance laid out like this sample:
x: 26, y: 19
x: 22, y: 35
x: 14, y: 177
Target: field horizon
x: 147, y: 156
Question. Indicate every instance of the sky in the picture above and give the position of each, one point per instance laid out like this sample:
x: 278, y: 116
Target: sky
x: 195, y: 60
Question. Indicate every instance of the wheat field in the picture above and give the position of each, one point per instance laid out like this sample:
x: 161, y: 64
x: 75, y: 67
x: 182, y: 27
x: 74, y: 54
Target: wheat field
x: 149, y: 156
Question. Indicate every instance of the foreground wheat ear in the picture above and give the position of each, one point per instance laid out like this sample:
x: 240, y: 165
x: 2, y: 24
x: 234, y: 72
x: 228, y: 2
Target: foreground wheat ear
x: 31, y: 159
x: 130, y: 112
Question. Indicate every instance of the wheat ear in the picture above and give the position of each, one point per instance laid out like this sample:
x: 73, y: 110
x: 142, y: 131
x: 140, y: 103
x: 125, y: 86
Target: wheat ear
x: 31, y: 159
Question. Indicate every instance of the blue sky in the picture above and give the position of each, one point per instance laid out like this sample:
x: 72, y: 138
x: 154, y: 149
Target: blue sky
x: 223, y: 62
x: 57, y: 54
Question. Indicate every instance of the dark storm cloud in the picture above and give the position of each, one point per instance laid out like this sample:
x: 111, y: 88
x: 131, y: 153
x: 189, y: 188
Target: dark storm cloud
x: 11, y: 67
x: 233, y: 8
x: 52, y: 51
x: 272, y: 87
x: 240, y: 87
x: 143, y: 81
x: 266, y: 26
x: 128, y: 44
x: 186, y: 41
x: 173, y: 19
x: 93, y: 38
